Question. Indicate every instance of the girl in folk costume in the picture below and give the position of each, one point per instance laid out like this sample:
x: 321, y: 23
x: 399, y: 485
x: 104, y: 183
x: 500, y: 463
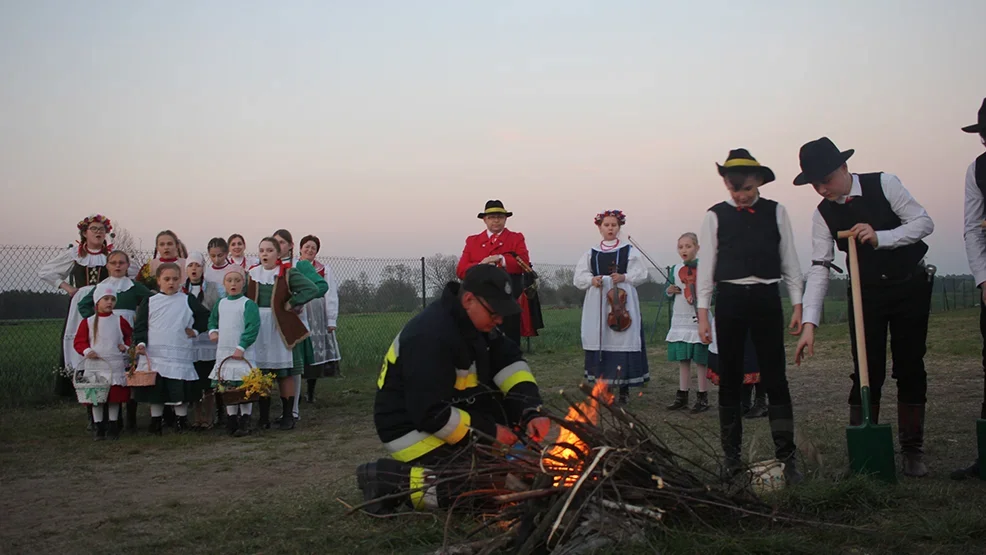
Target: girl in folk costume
x: 684, y: 344
x: 614, y: 351
x: 164, y: 330
x: 280, y: 291
x: 166, y: 249
x: 106, y: 336
x: 215, y: 270
x: 304, y: 352
x: 129, y: 295
x: 237, y: 248
x: 233, y: 326
x: 76, y: 270
x: 208, y: 295
x: 322, y: 314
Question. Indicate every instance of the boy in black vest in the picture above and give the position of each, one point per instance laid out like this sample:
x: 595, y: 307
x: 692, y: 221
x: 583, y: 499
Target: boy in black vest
x: 896, y: 285
x: 975, y: 249
x: 751, y: 248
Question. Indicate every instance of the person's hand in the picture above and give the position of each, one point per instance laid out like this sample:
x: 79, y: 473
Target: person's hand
x: 597, y: 281
x: 491, y: 259
x: 332, y: 329
x: 237, y: 355
x: 68, y: 289
x: 141, y: 350
x: 505, y: 436
x: 538, y: 428
x: 618, y: 278
x: 190, y: 333
x: 806, y: 345
x: 796, y: 325
x: 122, y: 348
x: 864, y: 234
x: 214, y: 337
x: 92, y: 354
x: 673, y: 290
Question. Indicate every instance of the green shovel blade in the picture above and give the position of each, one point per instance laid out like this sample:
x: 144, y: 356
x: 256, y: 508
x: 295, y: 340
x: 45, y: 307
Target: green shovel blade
x: 871, y: 446
x: 981, y: 434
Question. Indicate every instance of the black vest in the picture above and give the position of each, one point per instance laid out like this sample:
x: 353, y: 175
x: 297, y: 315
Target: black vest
x: 875, y: 265
x: 604, y: 263
x: 981, y: 177
x: 749, y: 241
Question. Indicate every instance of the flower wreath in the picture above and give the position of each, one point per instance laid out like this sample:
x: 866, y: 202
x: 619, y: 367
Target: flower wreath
x: 618, y: 214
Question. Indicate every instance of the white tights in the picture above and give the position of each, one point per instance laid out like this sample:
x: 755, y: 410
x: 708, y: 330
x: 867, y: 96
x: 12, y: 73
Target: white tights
x: 685, y: 379
x: 245, y: 409
x: 114, y: 412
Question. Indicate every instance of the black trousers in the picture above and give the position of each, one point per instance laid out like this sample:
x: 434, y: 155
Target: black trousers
x: 982, y: 331
x: 754, y: 310
x: 902, y: 308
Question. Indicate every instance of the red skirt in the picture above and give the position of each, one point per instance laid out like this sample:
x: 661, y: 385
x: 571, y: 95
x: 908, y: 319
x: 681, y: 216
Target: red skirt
x: 117, y: 394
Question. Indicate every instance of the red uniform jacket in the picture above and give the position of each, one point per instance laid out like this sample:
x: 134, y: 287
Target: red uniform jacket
x: 481, y: 245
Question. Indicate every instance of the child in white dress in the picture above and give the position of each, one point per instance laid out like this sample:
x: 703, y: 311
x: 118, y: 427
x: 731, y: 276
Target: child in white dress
x: 684, y: 344
x: 233, y: 326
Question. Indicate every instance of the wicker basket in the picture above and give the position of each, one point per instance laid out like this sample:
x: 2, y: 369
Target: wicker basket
x: 141, y: 379
x: 91, y: 392
x: 237, y: 396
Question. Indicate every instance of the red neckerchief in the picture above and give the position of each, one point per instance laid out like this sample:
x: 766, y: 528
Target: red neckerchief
x: 747, y: 208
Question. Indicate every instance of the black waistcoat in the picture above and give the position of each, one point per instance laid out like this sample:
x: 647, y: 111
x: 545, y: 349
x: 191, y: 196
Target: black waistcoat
x: 604, y: 263
x: 981, y: 178
x: 749, y: 241
x: 875, y: 265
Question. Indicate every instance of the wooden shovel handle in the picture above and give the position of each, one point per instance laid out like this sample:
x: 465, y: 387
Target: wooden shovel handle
x: 857, y: 309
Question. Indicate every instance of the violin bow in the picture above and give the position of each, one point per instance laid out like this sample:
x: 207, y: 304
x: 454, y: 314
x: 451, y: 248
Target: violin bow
x: 656, y: 267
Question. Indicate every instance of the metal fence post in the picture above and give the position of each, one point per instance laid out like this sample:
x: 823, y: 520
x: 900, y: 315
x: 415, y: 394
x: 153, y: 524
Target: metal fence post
x: 424, y: 288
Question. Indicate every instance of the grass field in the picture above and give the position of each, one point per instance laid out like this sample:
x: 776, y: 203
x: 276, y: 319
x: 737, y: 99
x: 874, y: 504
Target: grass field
x: 276, y: 492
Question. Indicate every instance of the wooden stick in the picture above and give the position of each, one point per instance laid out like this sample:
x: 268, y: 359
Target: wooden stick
x: 857, y: 309
x: 571, y: 495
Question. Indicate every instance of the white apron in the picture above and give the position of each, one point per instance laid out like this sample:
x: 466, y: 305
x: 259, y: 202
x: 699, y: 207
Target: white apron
x: 231, y: 325
x: 620, y: 341
x: 72, y: 358
x: 272, y: 352
x: 684, y: 322
x: 105, y: 344
x: 168, y: 348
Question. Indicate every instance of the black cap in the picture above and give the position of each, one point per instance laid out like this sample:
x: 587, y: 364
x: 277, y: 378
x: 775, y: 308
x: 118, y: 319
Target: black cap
x: 818, y: 159
x: 492, y: 285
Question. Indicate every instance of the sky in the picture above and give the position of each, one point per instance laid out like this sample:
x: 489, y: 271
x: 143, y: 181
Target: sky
x: 384, y: 126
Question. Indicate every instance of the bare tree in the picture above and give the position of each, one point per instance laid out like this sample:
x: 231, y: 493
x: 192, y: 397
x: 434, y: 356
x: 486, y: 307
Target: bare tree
x: 124, y: 241
x: 439, y: 270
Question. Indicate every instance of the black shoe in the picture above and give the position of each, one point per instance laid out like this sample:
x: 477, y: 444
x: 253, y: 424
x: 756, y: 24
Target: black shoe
x: 731, y: 437
x: 381, y: 479
x: 99, y: 431
x: 169, y: 416
x: 132, y: 416
x: 157, y: 425
x: 758, y: 410
x: 181, y: 424
x: 910, y: 435
x: 263, y: 420
x: 287, y: 419
x: 971, y: 471
x: 680, y: 401
x: 701, y: 402
x: 113, y: 429
x: 782, y: 432
x: 310, y: 396
x: 243, y: 428
x: 232, y: 425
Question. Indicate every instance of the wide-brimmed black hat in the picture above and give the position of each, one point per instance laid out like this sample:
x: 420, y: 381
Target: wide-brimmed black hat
x: 740, y: 160
x: 818, y: 159
x: 494, y: 207
x: 981, y: 126
x: 491, y: 284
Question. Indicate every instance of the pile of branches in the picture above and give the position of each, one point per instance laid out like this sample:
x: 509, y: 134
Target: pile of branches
x: 614, y: 480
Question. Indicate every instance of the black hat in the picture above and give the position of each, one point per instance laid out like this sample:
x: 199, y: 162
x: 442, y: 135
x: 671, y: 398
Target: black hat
x: 818, y: 159
x: 740, y: 160
x: 492, y: 285
x: 494, y: 207
x: 981, y: 126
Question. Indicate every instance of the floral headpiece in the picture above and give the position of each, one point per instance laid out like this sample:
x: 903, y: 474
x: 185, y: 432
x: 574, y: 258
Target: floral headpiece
x: 618, y: 214
x: 97, y: 218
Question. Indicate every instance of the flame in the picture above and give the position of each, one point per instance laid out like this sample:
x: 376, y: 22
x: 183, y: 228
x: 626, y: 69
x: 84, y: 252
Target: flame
x: 586, y: 411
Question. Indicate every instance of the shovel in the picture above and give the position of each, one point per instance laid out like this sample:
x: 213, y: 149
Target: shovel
x: 871, y: 446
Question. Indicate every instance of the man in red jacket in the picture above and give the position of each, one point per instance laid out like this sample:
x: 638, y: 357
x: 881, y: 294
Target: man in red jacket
x: 501, y: 247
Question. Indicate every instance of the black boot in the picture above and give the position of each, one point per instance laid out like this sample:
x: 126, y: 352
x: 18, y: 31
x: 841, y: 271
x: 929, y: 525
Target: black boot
x: 701, y: 402
x: 731, y: 436
x: 746, y: 401
x: 91, y: 426
x: 263, y: 419
x: 782, y: 431
x: 132, y: 416
x: 169, y: 416
x: 243, y: 428
x: 856, y: 414
x: 113, y: 429
x: 910, y: 434
x: 181, y: 424
x: 157, y: 425
x: 759, y: 408
x: 310, y: 397
x: 624, y: 397
x: 971, y: 471
x: 231, y: 424
x: 287, y: 418
x: 680, y: 401
x: 380, y: 479
x: 99, y: 431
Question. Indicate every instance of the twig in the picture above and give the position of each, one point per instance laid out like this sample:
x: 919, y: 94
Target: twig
x: 575, y: 489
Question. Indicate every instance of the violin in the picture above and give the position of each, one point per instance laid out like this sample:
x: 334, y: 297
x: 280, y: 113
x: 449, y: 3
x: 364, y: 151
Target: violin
x: 619, y: 317
x: 687, y: 277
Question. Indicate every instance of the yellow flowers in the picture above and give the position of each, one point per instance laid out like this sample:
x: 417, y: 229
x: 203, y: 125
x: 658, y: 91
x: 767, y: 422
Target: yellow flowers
x: 258, y: 382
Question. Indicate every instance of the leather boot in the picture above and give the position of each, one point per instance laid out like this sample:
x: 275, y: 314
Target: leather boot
x: 99, y: 430
x: 287, y: 418
x: 680, y: 401
x: 731, y: 436
x: 113, y: 429
x: 782, y: 431
x: 263, y: 420
x: 624, y: 397
x: 746, y: 402
x: 157, y: 425
x: 380, y: 479
x: 243, y: 428
x: 971, y: 471
x: 231, y: 425
x: 701, y: 402
x: 310, y: 397
x: 131, y: 416
x: 181, y: 424
x: 910, y: 434
x: 856, y: 414
x: 759, y: 408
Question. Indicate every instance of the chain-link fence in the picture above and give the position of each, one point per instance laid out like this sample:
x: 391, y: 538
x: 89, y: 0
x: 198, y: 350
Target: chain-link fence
x: 377, y: 296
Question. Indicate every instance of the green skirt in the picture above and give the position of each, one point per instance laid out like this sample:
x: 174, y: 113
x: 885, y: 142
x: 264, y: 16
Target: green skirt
x: 303, y: 354
x: 283, y: 372
x: 169, y: 391
x: 695, y: 352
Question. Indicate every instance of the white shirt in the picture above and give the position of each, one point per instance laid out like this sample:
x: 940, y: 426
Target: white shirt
x: 974, y: 234
x: 709, y: 241
x: 915, y: 224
